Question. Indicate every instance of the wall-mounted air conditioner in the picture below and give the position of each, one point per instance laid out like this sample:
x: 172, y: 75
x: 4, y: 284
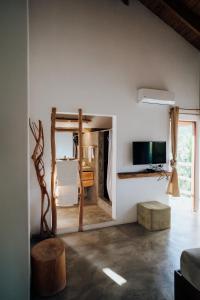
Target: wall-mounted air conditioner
x: 152, y: 96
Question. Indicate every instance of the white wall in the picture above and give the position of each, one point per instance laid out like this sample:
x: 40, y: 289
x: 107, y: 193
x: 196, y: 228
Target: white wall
x: 94, y: 55
x: 14, y: 229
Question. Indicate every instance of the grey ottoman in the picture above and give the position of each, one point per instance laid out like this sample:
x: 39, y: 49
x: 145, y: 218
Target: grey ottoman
x: 154, y: 215
x: 190, y: 266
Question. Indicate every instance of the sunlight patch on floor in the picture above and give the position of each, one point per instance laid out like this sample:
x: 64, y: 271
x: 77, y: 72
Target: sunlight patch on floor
x: 114, y: 276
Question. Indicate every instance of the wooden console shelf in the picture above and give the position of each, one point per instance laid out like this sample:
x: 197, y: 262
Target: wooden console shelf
x: 127, y: 175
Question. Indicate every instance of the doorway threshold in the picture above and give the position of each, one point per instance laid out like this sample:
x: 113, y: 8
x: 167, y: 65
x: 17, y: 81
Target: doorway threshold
x: 87, y: 227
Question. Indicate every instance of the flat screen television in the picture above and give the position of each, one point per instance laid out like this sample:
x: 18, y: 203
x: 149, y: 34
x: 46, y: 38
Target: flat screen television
x: 149, y: 153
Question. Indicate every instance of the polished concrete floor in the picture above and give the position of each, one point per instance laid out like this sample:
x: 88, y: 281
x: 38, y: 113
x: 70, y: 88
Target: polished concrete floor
x: 146, y: 260
x: 68, y: 216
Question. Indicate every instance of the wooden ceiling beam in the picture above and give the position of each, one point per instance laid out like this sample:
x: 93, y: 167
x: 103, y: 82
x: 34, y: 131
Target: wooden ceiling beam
x: 192, y: 5
x: 178, y: 17
x: 186, y: 14
x: 127, y: 2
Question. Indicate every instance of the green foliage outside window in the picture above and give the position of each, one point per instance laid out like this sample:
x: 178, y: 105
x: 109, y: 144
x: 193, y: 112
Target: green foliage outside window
x: 184, y: 155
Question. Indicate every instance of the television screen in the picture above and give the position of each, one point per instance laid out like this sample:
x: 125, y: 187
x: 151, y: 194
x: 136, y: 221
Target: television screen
x: 149, y: 153
x: 159, y: 153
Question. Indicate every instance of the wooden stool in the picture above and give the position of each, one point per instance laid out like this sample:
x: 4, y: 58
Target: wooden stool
x: 48, y: 267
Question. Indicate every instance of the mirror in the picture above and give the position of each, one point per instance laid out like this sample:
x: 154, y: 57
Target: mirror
x: 65, y: 145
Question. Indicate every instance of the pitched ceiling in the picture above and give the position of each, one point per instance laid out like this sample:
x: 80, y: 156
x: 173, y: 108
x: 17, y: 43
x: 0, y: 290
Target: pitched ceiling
x: 182, y: 15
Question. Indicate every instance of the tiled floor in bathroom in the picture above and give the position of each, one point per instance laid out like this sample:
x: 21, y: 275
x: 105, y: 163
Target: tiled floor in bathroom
x: 68, y: 216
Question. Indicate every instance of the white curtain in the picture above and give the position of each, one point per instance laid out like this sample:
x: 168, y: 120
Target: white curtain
x: 109, y: 168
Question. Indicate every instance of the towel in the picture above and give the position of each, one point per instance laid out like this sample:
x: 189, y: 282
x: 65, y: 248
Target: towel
x: 90, y: 153
x: 67, y: 172
x: 67, y: 181
x: 67, y: 195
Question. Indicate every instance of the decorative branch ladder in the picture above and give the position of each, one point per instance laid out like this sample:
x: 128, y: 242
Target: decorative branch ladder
x: 53, y: 169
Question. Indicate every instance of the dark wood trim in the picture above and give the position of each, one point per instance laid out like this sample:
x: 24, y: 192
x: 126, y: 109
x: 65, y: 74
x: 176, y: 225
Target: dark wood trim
x: 194, y: 124
x: 53, y: 167
x: 127, y: 175
x: 80, y: 138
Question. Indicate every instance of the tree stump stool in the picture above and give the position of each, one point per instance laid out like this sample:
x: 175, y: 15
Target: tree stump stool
x: 48, y: 267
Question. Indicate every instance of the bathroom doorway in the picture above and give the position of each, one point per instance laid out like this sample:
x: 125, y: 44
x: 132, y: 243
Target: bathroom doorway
x: 98, y: 165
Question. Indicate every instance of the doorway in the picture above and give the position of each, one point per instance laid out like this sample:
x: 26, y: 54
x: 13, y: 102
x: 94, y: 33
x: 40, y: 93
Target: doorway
x: 97, y: 210
x: 186, y: 162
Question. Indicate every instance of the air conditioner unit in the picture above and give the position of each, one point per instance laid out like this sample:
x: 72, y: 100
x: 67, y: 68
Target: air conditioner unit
x: 152, y: 96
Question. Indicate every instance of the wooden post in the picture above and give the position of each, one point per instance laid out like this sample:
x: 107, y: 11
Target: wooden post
x: 53, y: 166
x: 81, y: 203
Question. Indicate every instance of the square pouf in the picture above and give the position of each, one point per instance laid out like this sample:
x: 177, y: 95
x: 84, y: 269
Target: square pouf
x: 154, y: 215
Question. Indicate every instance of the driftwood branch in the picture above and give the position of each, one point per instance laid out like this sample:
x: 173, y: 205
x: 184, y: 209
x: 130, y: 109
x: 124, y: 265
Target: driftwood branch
x: 38, y: 134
